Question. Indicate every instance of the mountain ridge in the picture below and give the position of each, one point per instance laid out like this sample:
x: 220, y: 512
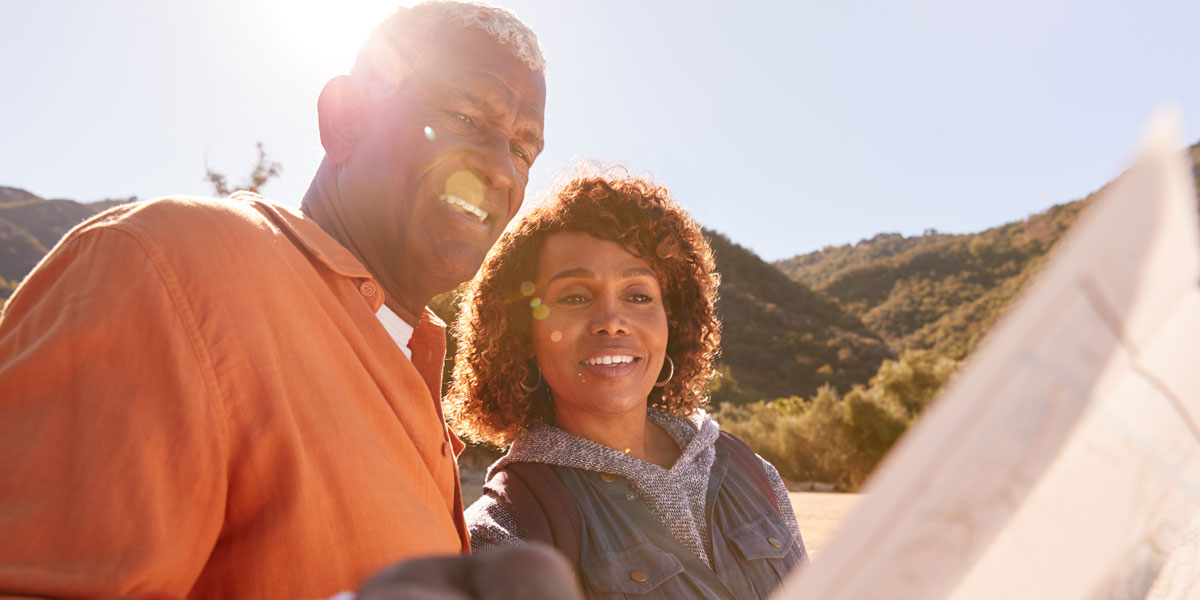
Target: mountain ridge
x: 940, y: 292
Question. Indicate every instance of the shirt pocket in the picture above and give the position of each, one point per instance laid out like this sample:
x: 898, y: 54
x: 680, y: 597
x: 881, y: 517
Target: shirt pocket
x: 763, y: 537
x: 636, y: 571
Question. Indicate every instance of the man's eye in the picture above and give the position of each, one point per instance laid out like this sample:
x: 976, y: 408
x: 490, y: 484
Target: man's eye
x: 521, y: 154
x: 464, y: 119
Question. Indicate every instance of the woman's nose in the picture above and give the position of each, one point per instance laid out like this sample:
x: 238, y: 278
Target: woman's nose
x: 608, y: 320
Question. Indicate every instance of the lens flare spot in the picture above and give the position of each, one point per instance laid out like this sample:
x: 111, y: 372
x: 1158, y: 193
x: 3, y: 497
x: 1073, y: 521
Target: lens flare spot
x: 466, y: 186
x: 429, y: 133
x: 536, y: 302
x: 556, y: 336
x: 541, y: 312
x: 527, y: 288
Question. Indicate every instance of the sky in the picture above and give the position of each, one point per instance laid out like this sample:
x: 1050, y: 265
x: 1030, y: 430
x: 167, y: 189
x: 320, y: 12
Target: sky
x: 786, y: 126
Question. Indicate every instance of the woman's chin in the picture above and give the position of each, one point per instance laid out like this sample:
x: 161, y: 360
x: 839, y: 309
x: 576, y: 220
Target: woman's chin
x: 613, y: 402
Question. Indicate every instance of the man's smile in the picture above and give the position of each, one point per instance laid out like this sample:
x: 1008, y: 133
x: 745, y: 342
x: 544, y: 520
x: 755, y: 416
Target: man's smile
x: 465, y: 207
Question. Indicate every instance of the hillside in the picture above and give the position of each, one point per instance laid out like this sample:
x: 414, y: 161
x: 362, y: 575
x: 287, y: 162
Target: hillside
x: 782, y: 338
x: 937, y: 292
x: 818, y: 269
x: 31, y: 225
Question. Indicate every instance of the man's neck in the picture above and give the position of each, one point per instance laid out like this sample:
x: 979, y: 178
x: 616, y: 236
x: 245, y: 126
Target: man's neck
x: 321, y: 204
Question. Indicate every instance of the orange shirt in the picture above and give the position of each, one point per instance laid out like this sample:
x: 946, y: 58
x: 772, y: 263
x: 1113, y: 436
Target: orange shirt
x: 197, y: 398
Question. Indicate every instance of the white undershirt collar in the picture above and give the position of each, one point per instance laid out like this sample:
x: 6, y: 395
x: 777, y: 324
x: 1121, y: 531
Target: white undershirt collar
x: 400, y: 331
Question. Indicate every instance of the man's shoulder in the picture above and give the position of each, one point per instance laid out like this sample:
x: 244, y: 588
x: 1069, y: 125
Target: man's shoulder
x: 244, y: 234
x: 179, y: 218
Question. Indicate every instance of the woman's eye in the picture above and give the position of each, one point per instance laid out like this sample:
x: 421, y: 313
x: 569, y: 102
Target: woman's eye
x: 640, y: 299
x: 573, y: 299
x: 464, y: 119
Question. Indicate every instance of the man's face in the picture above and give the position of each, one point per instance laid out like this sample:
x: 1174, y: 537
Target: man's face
x: 440, y: 165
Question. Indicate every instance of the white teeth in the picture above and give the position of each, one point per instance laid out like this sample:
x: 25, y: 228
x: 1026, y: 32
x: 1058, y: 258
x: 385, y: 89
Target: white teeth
x: 608, y: 360
x: 465, y: 206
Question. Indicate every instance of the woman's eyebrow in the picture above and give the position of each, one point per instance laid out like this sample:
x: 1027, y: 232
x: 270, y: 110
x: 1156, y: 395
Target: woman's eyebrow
x: 578, y: 272
x: 583, y: 273
x: 638, y: 272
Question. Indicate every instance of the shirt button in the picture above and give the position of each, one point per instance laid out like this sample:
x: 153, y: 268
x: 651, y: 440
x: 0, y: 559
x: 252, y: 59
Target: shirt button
x: 637, y: 575
x: 774, y: 542
x: 367, y: 288
x: 608, y: 478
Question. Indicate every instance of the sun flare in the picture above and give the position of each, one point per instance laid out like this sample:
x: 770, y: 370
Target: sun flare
x: 330, y: 33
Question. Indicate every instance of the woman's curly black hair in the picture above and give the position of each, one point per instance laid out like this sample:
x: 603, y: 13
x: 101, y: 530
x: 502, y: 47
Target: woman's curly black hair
x: 493, y: 330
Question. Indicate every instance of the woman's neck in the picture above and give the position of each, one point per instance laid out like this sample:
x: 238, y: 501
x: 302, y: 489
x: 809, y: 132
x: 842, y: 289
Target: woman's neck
x: 631, y: 433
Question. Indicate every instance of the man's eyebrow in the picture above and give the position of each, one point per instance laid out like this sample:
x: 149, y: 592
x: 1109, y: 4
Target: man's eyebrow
x: 482, y: 103
x: 538, y: 143
x: 475, y: 100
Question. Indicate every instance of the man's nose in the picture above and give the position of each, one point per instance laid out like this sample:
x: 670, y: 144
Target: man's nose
x: 493, y: 162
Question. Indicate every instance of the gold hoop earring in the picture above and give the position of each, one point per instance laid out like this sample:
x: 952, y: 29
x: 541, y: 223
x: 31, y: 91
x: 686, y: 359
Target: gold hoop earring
x: 529, y: 389
x: 669, y: 375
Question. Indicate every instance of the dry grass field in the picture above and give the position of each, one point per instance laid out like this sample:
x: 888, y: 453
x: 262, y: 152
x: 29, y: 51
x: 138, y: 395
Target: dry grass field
x: 820, y: 514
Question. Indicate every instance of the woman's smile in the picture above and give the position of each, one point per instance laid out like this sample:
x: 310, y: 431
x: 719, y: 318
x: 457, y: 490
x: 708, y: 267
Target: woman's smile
x: 610, y: 366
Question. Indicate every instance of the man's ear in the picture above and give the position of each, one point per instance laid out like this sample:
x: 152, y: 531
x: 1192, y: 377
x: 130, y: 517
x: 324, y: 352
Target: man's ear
x: 341, y: 109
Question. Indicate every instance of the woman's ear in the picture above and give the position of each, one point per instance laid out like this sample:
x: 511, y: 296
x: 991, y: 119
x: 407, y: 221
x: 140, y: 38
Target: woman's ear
x: 341, y: 109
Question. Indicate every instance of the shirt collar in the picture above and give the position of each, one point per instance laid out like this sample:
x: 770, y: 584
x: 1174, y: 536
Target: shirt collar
x: 310, y: 235
x: 330, y: 252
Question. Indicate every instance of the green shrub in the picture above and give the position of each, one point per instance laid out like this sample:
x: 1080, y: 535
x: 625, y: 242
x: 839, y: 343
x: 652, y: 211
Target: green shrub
x: 839, y: 439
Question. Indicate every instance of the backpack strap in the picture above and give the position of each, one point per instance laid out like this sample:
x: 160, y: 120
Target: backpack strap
x: 746, y: 462
x: 541, y: 505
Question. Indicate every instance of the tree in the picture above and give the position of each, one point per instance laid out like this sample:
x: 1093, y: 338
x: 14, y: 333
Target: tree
x: 263, y: 171
x: 913, y: 381
x: 724, y: 389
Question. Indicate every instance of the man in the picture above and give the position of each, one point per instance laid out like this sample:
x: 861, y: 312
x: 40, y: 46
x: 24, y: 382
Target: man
x: 228, y: 399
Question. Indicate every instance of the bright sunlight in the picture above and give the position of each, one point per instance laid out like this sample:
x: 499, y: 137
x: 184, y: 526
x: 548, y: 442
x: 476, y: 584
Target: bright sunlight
x: 330, y: 32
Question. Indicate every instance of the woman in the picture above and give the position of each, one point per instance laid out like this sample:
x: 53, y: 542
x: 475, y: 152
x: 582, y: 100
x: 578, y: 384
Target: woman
x: 586, y: 342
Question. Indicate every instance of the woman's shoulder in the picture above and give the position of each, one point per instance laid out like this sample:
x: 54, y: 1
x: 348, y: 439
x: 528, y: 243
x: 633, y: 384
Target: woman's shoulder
x: 491, y: 523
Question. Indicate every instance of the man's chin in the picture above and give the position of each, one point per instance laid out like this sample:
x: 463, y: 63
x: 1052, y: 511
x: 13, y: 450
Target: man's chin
x: 453, y: 267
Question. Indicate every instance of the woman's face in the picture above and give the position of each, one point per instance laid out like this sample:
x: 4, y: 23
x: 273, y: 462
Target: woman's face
x: 602, y: 336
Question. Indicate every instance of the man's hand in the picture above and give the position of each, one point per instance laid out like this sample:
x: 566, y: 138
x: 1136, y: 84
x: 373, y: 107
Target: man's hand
x: 530, y: 571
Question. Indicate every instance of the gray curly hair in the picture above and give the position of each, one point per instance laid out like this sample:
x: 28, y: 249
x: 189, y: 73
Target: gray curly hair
x: 398, y: 44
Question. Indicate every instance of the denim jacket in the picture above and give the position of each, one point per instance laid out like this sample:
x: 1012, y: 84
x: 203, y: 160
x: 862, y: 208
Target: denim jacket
x: 629, y: 552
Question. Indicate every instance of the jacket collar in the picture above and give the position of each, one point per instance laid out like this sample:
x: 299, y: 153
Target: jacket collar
x: 543, y: 443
